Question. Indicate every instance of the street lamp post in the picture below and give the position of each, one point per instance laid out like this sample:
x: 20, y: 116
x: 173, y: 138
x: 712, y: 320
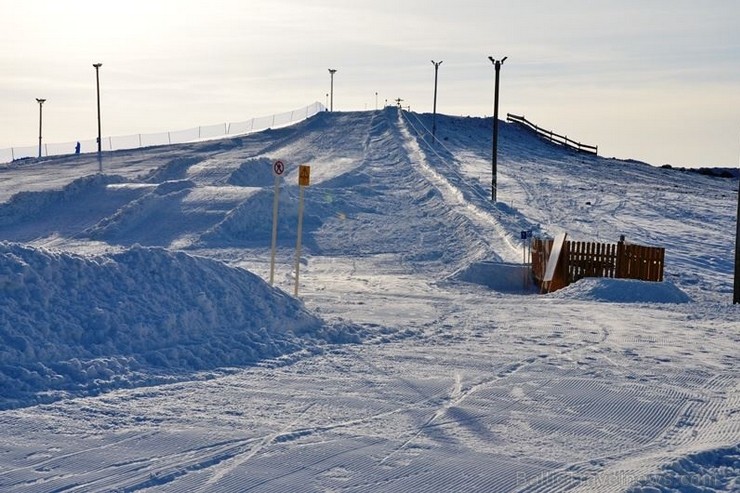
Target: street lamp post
x: 736, y: 286
x: 434, y: 111
x: 100, y: 141
x: 332, y: 71
x: 497, y: 66
x: 41, y: 104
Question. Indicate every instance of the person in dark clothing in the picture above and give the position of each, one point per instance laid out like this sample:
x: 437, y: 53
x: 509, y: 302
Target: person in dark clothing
x: 77, y: 148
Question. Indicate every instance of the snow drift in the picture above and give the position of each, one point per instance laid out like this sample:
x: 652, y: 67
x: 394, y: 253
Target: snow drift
x: 85, y: 323
x: 502, y: 277
x: 623, y: 291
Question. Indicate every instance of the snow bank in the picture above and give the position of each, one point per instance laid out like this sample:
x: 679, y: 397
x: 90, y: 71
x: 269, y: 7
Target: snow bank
x: 498, y: 276
x: 71, y: 323
x: 253, y: 173
x: 711, y: 471
x: 623, y: 291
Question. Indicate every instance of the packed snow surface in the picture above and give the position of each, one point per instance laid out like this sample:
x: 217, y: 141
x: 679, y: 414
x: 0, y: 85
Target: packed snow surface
x: 143, y: 348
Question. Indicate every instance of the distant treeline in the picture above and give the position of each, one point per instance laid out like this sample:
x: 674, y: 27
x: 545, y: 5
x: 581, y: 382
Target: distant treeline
x: 718, y: 172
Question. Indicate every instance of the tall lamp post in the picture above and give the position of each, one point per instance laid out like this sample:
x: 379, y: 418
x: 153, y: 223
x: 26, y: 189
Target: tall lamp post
x: 736, y: 289
x: 100, y: 141
x: 332, y: 71
x: 434, y: 111
x: 41, y: 104
x: 496, y: 65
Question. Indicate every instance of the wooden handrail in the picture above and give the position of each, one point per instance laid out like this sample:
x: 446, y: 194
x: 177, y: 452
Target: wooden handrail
x: 552, y: 136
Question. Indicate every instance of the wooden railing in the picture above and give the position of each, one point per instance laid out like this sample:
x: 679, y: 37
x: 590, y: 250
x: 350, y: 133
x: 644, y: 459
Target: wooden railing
x: 552, y: 136
x: 581, y: 259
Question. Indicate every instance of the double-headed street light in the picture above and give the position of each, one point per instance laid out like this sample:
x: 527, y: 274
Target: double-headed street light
x: 496, y: 65
x: 41, y: 104
x: 332, y: 71
x: 434, y: 111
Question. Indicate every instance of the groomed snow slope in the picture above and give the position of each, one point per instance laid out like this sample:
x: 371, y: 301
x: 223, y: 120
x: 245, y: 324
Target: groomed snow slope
x: 415, y: 360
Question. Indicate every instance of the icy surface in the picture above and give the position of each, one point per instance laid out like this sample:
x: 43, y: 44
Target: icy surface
x: 143, y: 350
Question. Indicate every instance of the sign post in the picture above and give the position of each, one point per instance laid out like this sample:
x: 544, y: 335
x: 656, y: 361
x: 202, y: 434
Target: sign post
x: 526, y: 237
x: 277, y: 170
x: 304, y: 179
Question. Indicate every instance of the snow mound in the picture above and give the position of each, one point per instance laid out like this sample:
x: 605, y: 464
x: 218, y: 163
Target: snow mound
x: 623, y: 291
x: 710, y: 471
x: 499, y: 276
x: 250, y: 223
x: 253, y: 173
x: 71, y: 323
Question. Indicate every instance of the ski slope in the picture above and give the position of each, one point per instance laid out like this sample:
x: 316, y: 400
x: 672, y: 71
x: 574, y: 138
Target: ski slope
x: 143, y: 349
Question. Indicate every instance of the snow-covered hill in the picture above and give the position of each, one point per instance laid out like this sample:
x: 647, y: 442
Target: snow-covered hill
x: 143, y: 349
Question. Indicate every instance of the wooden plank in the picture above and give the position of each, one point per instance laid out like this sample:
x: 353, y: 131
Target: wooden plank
x: 611, y: 272
x: 552, y: 262
x: 576, y: 259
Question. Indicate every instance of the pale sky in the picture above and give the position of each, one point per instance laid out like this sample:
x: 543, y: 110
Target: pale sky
x: 653, y: 80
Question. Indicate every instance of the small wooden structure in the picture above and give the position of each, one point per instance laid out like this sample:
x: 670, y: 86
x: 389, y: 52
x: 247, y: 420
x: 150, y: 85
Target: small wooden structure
x: 579, y: 259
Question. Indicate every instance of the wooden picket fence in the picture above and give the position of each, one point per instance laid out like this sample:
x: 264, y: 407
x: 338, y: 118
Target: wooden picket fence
x: 581, y: 259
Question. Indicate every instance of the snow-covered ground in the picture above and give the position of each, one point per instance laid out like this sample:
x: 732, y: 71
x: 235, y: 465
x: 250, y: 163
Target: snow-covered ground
x: 143, y: 350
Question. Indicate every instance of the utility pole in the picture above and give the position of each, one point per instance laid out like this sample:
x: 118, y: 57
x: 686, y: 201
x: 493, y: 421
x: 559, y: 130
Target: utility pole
x: 497, y: 66
x: 100, y: 141
x: 434, y: 111
x: 736, y: 291
x: 41, y: 104
x: 332, y: 71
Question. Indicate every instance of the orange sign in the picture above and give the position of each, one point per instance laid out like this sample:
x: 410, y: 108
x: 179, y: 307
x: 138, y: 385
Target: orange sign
x: 304, y: 175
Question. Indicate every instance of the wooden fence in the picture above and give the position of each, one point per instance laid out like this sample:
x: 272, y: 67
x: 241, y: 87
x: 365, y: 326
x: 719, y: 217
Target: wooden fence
x: 552, y: 136
x: 581, y: 259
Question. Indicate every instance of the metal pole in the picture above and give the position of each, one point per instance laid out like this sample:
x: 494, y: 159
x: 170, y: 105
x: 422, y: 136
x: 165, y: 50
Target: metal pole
x: 41, y: 104
x: 434, y: 111
x: 100, y: 141
x: 497, y: 66
x: 736, y: 291
x: 332, y: 71
x: 278, y: 169
x: 298, y: 241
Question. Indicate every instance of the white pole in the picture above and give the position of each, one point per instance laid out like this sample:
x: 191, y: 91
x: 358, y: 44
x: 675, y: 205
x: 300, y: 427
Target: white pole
x: 298, y: 242
x: 274, y: 228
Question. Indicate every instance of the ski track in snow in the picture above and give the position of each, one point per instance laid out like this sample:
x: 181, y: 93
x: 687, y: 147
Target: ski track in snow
x: 416, y: 381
